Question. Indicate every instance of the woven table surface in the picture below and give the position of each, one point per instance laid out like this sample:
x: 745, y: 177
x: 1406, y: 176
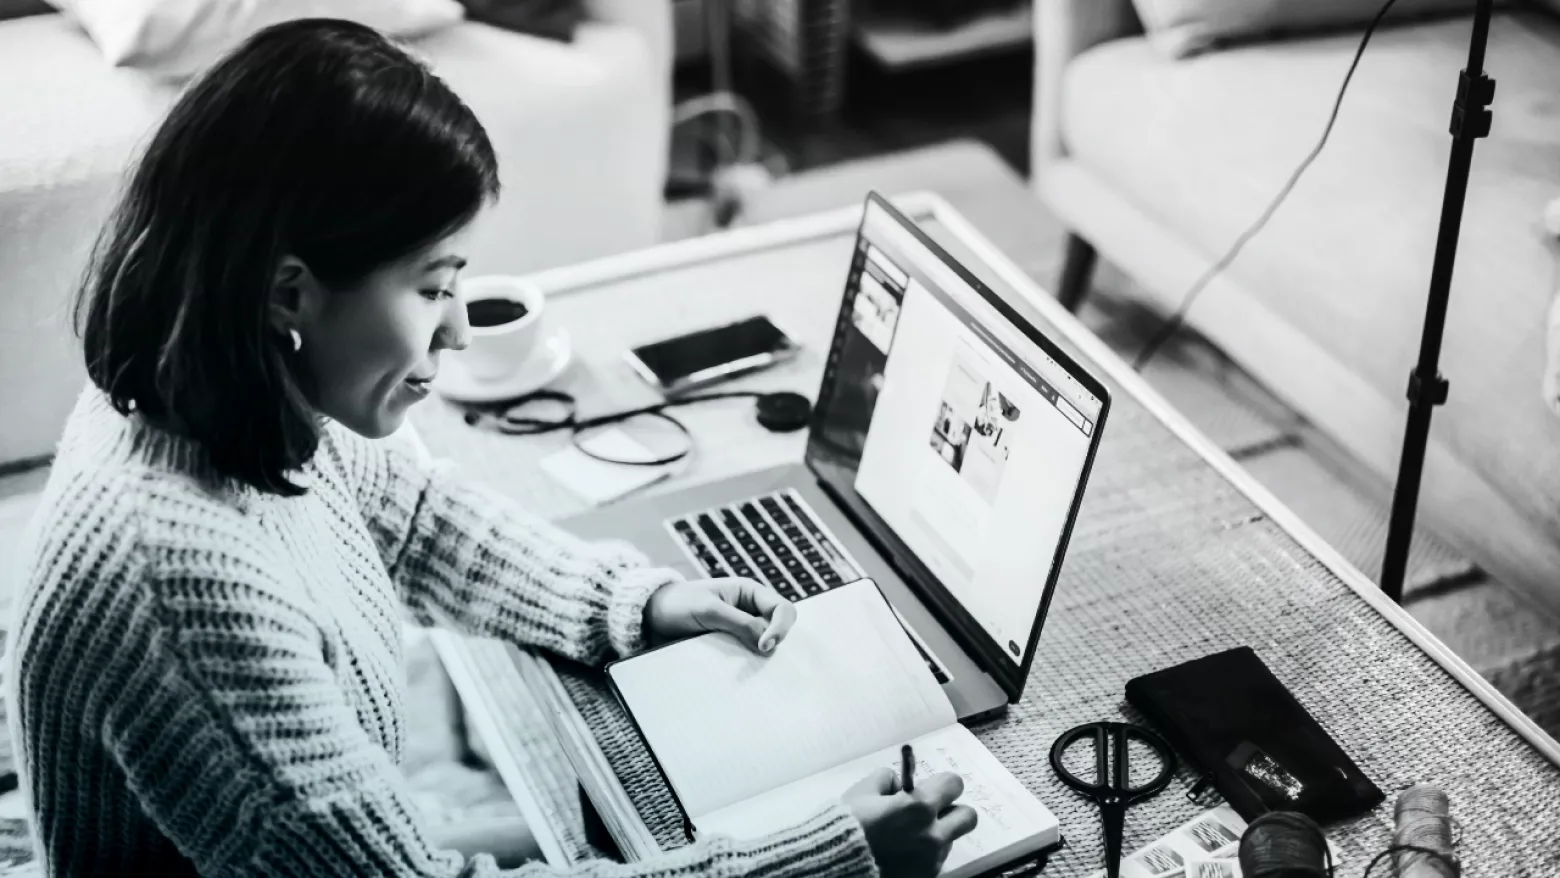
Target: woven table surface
x: 1169, y: 561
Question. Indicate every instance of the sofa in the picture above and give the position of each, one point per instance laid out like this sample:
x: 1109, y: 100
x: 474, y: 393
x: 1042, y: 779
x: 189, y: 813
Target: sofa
x: 581, y: 130
x: 1157, y: 165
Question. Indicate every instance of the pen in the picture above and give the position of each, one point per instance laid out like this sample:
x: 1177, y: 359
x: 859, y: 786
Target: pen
x: 907, y: 768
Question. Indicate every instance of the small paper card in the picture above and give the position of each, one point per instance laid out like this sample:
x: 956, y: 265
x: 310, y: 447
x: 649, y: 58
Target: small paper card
x: 1215, y: 835
x: 1204, y: 847
x: 1213, y: 867
x: 598, y: 481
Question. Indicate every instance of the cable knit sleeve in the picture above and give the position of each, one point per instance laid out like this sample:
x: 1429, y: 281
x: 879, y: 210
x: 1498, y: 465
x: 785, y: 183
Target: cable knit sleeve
x: 469, y: 559
x: 234, y: 735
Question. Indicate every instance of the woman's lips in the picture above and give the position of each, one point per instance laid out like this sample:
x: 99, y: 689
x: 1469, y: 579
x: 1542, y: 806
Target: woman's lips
x: 419, y: 386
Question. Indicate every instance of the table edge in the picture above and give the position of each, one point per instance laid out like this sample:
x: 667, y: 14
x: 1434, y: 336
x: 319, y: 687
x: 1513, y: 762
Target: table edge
x: 642, y: 843
x: 788, y: 232
x: 1286, y: 518
x: 452, y: 650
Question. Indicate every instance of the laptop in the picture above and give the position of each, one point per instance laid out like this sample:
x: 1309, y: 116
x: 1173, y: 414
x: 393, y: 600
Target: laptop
x: 946, y: 459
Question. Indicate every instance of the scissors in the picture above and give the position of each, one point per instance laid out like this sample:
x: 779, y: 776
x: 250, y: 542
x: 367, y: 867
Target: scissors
x: 1111, y: 788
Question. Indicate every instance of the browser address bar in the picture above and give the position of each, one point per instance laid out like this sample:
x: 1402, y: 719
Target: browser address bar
x: 879, y: 225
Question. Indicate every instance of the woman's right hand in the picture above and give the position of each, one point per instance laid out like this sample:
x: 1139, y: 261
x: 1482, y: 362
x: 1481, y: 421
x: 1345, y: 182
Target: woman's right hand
x: 910, y: 833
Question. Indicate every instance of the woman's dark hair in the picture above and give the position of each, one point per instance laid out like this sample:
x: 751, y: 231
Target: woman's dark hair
x: 315, y: 138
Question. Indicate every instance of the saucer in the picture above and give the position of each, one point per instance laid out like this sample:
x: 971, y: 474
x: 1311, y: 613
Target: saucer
x: 543, y: 367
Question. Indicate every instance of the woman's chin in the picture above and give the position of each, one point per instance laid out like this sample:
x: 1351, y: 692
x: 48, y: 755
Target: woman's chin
x: 392, y: 418
x: 381, y: 415
x: 382, y: 421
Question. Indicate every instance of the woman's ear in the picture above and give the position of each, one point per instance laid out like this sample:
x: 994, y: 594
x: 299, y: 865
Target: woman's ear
x: 294, y: 295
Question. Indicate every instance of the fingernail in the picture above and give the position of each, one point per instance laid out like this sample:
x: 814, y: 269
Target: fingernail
x: 767, y: 644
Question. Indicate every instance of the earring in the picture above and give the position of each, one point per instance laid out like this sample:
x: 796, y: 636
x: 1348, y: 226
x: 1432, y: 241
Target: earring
x: 297, y: 340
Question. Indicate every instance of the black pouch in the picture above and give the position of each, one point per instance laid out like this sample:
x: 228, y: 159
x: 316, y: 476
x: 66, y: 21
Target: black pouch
x: 1242, y: 730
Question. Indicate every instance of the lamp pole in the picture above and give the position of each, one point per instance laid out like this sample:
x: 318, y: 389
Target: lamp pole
x: 1426, y: 388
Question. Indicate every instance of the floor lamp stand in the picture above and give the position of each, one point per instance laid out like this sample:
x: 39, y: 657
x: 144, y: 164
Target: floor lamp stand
x: 1426, y: 388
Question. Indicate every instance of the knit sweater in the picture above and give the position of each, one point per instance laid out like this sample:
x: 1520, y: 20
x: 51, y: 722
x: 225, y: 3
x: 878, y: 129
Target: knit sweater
x: 207, y: 680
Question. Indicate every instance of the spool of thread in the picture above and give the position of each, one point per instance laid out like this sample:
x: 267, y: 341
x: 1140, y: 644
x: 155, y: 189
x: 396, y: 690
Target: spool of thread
x: 1283, y: 844
x: 1424, y: 820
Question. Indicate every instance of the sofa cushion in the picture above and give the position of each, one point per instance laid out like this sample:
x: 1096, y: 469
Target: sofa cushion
x: 177, y: 38
x: 1204, y: 144
x: 1184, y: 27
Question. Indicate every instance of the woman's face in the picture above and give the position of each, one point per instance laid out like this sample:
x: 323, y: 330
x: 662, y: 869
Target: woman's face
x: 372, y: 350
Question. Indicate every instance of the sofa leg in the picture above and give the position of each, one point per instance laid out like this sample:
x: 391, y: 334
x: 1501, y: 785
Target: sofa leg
x: 1077, y: 272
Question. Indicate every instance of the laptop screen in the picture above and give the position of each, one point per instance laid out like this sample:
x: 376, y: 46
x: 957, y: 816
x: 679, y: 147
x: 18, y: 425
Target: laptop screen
x: 945, y: 421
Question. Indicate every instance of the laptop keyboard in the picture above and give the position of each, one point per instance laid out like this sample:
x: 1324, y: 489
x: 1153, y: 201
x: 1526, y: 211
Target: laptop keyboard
x: 776, y: 540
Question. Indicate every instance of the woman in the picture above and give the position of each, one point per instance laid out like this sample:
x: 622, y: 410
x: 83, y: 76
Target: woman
x: 207, y: 667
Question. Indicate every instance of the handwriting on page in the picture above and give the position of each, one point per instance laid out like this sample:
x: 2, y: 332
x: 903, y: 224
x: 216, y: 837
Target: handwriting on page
x: 997, y: 821
x: 1010, y: 821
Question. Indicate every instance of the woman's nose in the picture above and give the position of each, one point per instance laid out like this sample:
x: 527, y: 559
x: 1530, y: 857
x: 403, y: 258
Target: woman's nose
x: 455, y: 331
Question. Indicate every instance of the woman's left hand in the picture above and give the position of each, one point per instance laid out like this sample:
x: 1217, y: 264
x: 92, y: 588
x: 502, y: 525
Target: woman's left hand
x: 753, y: 613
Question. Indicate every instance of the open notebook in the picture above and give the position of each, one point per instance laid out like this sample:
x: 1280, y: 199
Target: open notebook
x: 753, y: 744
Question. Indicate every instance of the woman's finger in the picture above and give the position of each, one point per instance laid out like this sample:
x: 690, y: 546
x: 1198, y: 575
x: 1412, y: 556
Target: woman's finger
x: 955, y: 823
x: 781, y: 615
x: 940, y: 790
x: 882, y: 781
x: 717, y: 615
x: 762, y: 601
x: 749, y: 595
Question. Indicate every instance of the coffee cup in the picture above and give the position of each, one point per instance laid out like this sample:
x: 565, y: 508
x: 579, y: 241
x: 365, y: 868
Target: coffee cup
x: 505, y: 315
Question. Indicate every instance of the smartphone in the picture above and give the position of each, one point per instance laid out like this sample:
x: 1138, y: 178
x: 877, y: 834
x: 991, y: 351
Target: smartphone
x: 699, y: 359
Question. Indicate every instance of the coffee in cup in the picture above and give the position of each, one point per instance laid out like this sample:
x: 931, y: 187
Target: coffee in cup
x: 504, y: 313
x: 488, y: 313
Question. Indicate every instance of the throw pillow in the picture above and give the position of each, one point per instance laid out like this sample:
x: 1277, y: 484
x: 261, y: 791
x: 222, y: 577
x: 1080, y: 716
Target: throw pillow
x: 177, y: 38
x: 1182, y: 28
x: 553, y: 19
x: 20, y: 8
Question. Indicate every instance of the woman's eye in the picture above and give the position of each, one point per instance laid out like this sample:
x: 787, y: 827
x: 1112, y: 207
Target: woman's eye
x: 436, y: 294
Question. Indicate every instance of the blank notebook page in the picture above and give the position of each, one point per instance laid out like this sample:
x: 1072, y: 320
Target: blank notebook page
x: 727, y: 724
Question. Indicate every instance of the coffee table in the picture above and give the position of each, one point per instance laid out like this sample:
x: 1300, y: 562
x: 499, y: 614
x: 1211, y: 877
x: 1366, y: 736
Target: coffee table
x: 1177, y: 553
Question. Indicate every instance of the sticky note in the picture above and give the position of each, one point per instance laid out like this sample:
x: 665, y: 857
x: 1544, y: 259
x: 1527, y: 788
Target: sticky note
x: 598, y: 481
